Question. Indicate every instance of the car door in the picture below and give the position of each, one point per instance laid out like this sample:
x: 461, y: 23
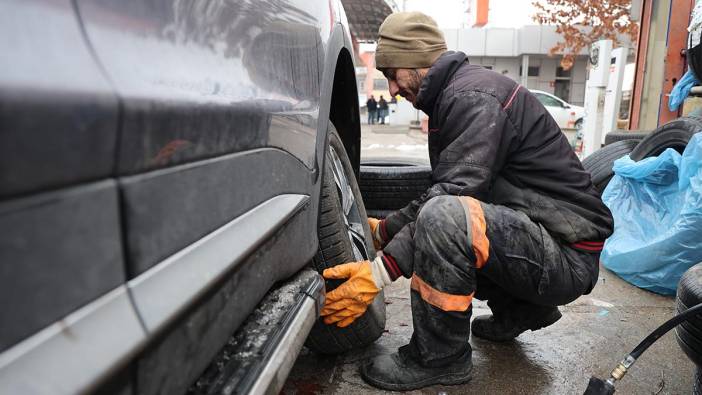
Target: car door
x: 67, y: 320
x: 215, y: 164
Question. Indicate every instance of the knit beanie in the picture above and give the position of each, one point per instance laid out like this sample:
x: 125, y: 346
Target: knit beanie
x: 408, y: 40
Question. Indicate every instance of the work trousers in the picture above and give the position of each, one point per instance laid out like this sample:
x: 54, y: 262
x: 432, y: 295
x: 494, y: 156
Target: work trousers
x: 464, y: 248
x: 372, y: 116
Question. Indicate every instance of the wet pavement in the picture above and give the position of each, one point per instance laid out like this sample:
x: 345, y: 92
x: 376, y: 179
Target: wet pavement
x: 595, y: 333
x: 393, y: 141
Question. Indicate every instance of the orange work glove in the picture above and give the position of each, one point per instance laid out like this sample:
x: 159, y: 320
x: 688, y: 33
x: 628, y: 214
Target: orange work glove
x: 351, y: 299
x: 374, y: 225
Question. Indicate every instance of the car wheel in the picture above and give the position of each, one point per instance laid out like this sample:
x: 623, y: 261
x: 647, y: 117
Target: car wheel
x: 674, y: 134
x: 599, y: 163
x: 689, y: 333
x: 613, y: 137
x: 388, y: 185
x: 344, y: 236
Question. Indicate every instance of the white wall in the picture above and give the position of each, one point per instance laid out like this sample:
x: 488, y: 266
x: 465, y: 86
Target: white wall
x: 547, y: 74
x: 503, y: 42
x: 509, y: 67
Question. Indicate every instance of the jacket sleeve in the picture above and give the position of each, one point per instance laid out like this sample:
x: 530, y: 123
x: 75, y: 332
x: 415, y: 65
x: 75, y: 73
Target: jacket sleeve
x: 476, y: 136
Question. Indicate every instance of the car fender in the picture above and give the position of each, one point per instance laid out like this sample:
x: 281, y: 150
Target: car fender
x: 339, y: 41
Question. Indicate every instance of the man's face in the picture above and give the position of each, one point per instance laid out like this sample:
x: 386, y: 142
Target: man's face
x: 404, y: 82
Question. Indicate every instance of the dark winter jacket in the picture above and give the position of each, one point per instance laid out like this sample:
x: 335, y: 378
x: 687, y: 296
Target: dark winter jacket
x: 372, y: 105
x: 491, y: 139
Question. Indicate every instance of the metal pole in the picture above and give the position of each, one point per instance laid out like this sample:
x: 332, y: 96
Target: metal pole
x: 613, y: 94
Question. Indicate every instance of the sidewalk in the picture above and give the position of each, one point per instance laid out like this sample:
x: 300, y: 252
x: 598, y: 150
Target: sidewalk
x: 595, y: 333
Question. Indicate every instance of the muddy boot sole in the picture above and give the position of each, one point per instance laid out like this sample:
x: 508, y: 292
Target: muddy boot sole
x: 444, y: 379
x: 400, y: 372
x: 543, y: 322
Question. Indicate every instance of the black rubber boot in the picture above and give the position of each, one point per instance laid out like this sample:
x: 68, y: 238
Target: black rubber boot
x: 401, y: 372
x: 509, y: 325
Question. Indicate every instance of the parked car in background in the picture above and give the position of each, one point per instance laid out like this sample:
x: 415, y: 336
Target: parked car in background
x: 171, y: 175
x: 567, y: 116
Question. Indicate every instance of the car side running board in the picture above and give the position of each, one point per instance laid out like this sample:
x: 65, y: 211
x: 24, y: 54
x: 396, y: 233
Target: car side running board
x: 259, y: 356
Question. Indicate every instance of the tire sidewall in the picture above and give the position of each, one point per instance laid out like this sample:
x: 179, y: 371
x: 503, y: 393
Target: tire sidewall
x: 330, y: 339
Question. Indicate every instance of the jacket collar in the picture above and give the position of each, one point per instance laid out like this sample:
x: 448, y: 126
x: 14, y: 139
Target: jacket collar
x: 436, y: 79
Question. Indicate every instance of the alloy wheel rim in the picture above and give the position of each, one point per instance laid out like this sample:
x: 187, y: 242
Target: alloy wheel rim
x: 351, y: 212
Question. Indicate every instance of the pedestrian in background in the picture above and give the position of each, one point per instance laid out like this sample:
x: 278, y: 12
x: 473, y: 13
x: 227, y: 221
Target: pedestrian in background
x: 372, y: 107
x: 382, y: 110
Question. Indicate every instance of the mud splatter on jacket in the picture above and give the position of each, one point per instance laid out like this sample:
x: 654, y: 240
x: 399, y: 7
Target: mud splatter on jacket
x: 491, y: 139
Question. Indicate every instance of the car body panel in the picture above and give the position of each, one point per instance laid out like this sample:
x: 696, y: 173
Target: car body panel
x: 202, y: 79
x: 190, y: 115
x: 58, y: 112
x: 71, y: 356
x: 80, y: 257
x: 229, y: 80
x: 166, y: 290
x: 168, y: 209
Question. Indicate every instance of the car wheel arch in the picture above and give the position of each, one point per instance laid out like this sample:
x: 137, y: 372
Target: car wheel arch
x: 343, y: 111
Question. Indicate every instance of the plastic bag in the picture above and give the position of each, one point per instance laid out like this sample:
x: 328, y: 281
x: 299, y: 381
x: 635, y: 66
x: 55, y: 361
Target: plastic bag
x: 657, y: 209
x: 681, y: 90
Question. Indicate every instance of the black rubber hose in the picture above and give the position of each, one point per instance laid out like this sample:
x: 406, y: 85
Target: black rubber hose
x: 598, y: 386
x: 663, y: 329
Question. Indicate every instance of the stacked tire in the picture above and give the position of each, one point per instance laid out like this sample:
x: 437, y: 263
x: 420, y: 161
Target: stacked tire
x: 674, y: 134
x: 600, y: 163
x: 390, y: 184
x: 619, y: 135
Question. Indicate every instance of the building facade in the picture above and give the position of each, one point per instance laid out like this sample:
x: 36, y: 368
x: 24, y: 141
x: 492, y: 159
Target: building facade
x: 511, y: 51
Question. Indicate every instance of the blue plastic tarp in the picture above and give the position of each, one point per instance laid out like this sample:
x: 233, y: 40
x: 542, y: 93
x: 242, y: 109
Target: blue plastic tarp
x: 681, y: 90
x: 657, y: 209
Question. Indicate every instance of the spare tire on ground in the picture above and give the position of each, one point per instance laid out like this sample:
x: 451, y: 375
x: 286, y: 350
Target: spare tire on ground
x: 599, y: 164
x: 390, y: 184
x: 674, y: 134
x: 344, y: 236
x: 619, y: 135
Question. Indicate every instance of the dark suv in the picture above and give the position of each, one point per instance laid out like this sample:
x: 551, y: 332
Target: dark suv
x: 172, y: 172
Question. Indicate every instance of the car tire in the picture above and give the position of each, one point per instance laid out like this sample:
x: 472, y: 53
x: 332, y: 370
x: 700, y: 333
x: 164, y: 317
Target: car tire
x: 613, y: 137
x: 343, y: 237
x: 689, y: 333
x: 674, y: 134
x: 388, y: 185
x: 599, y: 164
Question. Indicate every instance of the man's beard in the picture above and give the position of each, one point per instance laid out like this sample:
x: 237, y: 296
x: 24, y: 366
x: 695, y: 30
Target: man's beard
x: 413, y: 85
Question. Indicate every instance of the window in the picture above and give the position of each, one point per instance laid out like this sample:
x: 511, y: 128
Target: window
x: 532, y: 72
x: 562, y: 73
x: 380, y: 84
x: 548, y: 101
